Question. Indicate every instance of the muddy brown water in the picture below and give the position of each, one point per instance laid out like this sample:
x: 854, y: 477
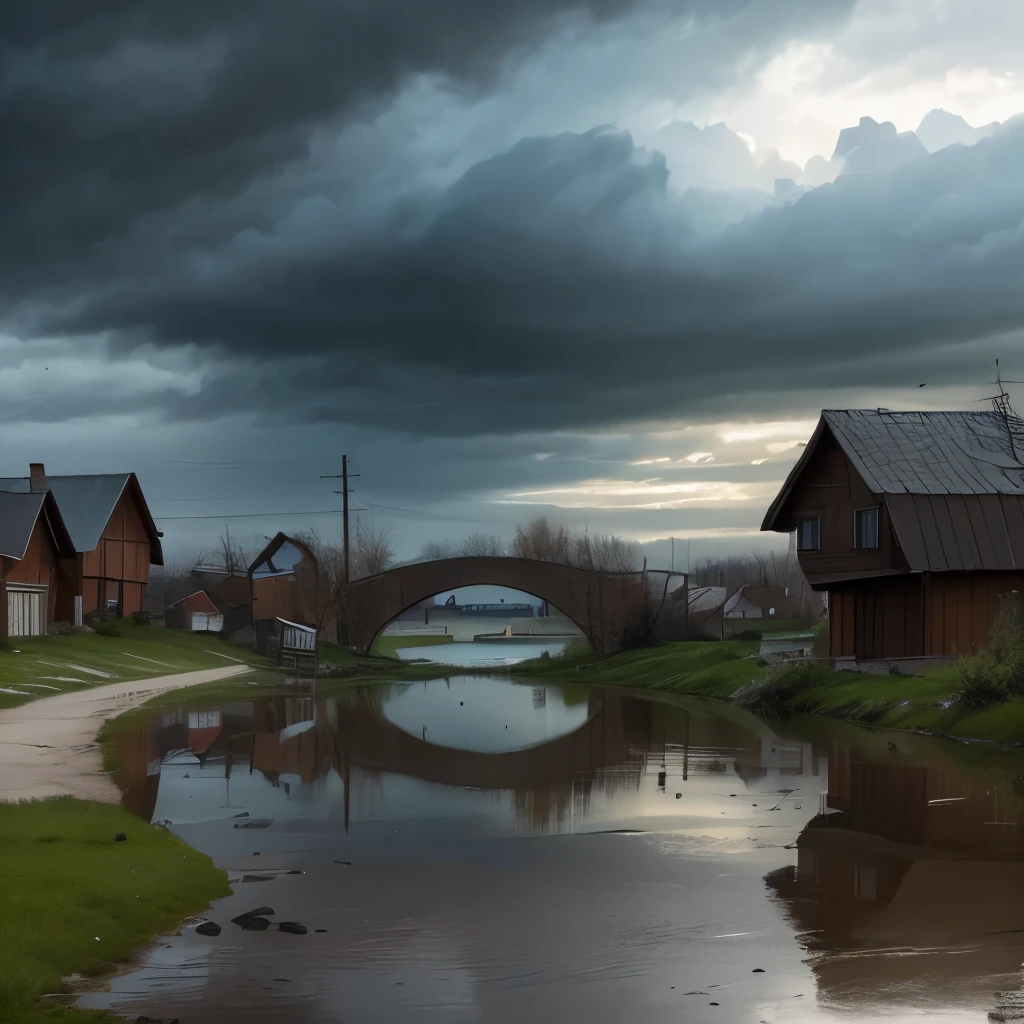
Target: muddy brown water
x: 489, y: 850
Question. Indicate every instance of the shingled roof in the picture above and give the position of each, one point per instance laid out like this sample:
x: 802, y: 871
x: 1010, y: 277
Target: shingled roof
x: 87, y: 502
x: 18, y: 516
x: 932, y: 452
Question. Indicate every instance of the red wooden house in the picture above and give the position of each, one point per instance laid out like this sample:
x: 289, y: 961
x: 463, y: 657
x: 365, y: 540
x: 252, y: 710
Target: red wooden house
x: 34, y: 549
x: 113, y: 534
x: 914, y: 524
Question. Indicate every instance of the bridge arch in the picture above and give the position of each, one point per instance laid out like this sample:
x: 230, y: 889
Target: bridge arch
x: 600, y: 605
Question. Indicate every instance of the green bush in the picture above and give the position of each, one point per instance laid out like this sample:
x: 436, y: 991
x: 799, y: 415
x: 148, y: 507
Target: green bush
x: 141, y: 618
x: 781, y: 684
x: 105, y: 627
x: 574, y: 650
x: 982, y: 681
x: 997, y: 671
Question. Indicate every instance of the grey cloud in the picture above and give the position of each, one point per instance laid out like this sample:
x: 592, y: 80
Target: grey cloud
x: 561, y: 285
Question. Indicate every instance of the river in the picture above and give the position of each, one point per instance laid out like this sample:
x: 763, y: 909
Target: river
x: 492, y: 850
x: 487, y: 653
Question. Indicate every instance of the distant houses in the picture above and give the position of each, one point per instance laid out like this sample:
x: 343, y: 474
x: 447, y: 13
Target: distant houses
x: 913, y: 523
x: 88, y: 548
x: 196, y: 613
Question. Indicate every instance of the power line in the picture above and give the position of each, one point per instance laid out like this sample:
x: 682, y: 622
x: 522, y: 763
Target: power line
x: 251, y: 515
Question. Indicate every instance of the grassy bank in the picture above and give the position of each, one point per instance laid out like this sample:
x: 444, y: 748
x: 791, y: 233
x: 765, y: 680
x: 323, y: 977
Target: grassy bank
x: 74, y: 901
x: 722, y: 669
x: 709, y: 668
x: 388, y: 645
x: 40, y: 666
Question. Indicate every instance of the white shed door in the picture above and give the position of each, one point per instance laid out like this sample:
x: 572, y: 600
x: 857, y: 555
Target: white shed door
x: 25, y: 612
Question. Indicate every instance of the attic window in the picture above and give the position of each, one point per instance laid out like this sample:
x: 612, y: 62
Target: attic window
x: 808, y: 533
x: 865, y: 528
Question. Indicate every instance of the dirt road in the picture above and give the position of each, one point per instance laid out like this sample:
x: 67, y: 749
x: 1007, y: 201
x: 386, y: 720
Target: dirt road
x: 49, y: 748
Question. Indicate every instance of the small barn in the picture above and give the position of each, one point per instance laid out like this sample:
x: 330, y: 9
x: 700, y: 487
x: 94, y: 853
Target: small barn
x: 34, y: 548
x: 750, y: 602
x: 196, y: 613
x: 913, y: 523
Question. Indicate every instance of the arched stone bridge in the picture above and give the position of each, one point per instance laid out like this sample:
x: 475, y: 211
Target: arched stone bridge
x: 606, y: 607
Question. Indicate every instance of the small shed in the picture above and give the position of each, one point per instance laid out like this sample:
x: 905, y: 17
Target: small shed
x: 284, y: 641
x: 749, y: 602
x: 196, y: 613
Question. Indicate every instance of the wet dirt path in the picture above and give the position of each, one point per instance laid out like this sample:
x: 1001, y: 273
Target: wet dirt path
x: 48, y: 747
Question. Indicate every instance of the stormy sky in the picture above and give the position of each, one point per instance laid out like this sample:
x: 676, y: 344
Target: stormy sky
x: 602, y: 259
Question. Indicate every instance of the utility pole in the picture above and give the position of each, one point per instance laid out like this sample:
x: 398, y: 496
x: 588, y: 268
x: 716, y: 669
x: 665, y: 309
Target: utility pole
x: 673, y: 554
x: 344, y: 492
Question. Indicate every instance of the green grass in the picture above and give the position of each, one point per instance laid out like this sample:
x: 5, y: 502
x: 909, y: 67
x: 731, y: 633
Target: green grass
x: 763, y: 627
x: 388, y: 645
x: 65, y: 883
x: 721, y: 668
x: 710, y: 668
x: 41, y: 666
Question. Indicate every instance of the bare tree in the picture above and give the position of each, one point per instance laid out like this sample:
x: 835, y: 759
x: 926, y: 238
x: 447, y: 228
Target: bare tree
x: 434, y: 551
x: 232, y: 555
x: 372, y: 552
x: 542, y: 541
x: 227, y: 555
x: 326, y: 588
x: 482, y: 545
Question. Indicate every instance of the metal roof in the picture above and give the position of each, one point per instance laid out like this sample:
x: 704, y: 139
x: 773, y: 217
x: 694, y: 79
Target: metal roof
x: 932, y: 452
x: 959, y: 532
x: 18, y: 515
x: 706, y: 598
x: 86, y: 503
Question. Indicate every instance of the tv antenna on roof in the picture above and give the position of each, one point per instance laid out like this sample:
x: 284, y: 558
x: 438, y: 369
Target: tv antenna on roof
x: 1001, y: 405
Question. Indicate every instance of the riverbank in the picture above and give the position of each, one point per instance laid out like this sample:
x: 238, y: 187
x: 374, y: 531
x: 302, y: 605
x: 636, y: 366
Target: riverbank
x: 74, y: 900
x: 929, y: 702
x: 77, y: 905
x: 36, y: 667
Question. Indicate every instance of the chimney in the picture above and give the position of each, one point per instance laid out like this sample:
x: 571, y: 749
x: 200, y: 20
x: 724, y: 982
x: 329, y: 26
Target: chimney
x: 37, y: 481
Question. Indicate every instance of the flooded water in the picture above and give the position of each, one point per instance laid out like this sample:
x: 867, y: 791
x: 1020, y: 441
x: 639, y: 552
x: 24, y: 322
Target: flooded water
x: 480, y: 849
x: 484, y: 653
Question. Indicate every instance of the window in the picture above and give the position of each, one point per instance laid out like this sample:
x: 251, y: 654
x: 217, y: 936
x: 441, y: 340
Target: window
x: 865, y: 528
x: 808, y: 533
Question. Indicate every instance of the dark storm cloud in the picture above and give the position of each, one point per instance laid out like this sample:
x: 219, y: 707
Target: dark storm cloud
x: 561, y: 285
x: 114, y: 109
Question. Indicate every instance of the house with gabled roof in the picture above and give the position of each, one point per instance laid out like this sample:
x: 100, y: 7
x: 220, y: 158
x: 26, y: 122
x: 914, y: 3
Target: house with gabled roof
x: 34, y: 544
x: 113, y: 535
x: 913, y: 522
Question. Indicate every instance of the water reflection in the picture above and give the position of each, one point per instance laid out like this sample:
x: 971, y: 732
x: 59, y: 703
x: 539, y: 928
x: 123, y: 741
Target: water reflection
x: 891, y: 865
x: 909, y: 887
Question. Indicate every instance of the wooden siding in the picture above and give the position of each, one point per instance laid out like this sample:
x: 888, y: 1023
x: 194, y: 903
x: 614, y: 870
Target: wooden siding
x: 914, y: 615
x: 830, y: 488
x: 878, y: 618
x: 40, y: 565
x: 291, y: 597
x: 118, y: 568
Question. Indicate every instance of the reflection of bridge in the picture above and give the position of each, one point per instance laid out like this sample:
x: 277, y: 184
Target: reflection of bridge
x: 361, y: 735
x: 281, y: 736
x: 608, y: 608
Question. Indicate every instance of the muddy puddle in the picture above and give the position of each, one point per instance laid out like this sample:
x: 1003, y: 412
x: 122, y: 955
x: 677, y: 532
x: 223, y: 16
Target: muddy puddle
x: 486, y: 850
